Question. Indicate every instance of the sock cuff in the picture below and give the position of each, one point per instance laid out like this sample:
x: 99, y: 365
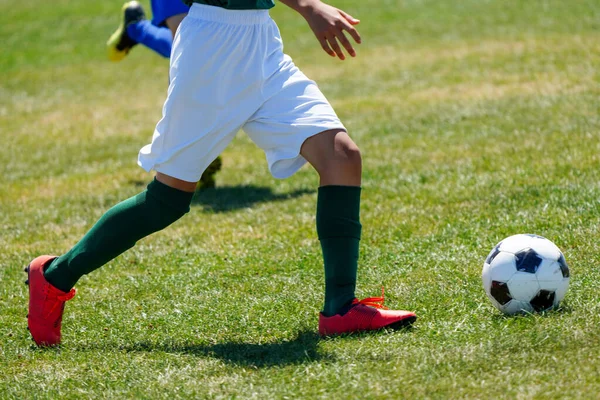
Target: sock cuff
x: 340, y: 201
x: 338, y: 212
x: 174, y: 198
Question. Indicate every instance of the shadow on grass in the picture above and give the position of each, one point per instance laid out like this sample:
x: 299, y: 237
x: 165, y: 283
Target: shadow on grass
x: 259, y: 355
x: 228, y: 198
x: 564, y: 308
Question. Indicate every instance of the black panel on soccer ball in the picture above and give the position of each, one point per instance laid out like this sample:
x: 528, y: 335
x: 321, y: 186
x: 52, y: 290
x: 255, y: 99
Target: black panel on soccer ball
x: 528, y: 261
x: 493, y: 254
x: 543, y: 300
x: 499, y: 291
x: 564, y: 267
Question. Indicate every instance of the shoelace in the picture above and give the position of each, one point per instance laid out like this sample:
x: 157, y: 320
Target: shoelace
x: 376, y: 302
x: 61, y: 300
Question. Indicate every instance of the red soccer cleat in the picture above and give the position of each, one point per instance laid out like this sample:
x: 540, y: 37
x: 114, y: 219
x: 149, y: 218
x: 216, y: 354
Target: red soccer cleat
x: 46, y: 304
x: 365, y: 315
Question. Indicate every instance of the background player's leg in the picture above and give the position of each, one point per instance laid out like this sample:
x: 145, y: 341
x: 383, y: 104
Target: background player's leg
x: 135, y: 28
x: 157, y: 38
x: 120, y: 44
x: 165, y: 200
x: 338, y: 162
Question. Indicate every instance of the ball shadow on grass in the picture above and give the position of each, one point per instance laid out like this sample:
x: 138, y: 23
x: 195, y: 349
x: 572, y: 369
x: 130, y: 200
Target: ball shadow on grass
x: 564, y: 308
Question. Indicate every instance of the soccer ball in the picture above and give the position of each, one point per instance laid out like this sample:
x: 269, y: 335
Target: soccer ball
x: 525, y: 273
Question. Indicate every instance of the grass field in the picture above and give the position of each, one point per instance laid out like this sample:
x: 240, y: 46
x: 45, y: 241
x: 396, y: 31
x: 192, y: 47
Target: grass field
x: 477, y: 119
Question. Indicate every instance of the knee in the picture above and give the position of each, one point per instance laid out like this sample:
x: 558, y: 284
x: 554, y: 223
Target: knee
x: 335, y: 156
x: 347, y: 154
x: 343, y: 165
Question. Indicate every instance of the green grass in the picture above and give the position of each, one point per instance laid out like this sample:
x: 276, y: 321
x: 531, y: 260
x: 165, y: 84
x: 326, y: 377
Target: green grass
x: 477, y: 120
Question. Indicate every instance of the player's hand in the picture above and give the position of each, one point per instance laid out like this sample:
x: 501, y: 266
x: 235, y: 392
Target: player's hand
x: 329, y: 25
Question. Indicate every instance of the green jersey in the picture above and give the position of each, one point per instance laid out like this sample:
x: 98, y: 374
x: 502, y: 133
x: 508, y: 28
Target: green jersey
x: 236, y: 4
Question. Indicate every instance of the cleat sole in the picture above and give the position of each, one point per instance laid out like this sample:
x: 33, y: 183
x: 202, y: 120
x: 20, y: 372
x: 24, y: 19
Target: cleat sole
x: 113, y: 53
x: 404, y: 323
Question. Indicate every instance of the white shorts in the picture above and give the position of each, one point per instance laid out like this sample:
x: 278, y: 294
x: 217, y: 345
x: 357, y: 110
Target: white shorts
x: 228, y: 72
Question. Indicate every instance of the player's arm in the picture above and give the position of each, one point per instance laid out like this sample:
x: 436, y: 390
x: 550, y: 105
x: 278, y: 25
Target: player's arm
x: 328, y: 24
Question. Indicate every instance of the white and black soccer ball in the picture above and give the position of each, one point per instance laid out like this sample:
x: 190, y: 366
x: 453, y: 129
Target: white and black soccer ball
x: 525, y: 273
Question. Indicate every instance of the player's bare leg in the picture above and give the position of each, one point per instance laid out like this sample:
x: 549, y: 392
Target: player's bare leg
x: 173, y: 22
x: 337, y: 160
x: 175, y: 183
x: 335, y: 157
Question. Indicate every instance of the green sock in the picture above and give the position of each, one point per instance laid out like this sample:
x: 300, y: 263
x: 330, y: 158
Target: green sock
x: 338, y: 228
x: 118, y: 230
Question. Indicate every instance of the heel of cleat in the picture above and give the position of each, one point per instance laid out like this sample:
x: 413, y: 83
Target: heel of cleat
x: 26, y: 270
x: 46, y: 304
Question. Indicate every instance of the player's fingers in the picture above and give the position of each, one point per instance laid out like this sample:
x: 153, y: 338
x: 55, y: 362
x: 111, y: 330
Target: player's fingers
x: 335, y: 46
x: 352, y: 31
x: 345, y: 42
x: 350, y: 18
x: 325, y: 46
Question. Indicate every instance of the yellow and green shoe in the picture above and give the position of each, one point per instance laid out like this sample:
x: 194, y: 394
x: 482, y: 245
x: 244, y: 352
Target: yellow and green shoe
x: 208, y: 177
x: 119, y: 44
